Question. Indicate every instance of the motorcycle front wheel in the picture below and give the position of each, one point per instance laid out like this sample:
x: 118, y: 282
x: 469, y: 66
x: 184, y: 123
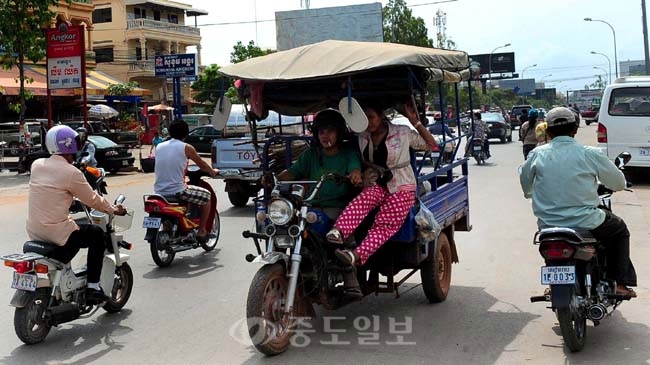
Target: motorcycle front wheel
x: 29, y: 324
x: 573, y: 325
x: 268, y: 326
x: 122, y: 287
x: 210, y: 244
x: 158, y: 247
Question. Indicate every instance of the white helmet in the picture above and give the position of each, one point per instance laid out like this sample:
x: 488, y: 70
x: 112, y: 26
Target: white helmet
x: 62, y: 140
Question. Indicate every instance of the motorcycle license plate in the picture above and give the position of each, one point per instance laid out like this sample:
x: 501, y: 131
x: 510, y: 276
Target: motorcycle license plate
x: 477, y: 148
x: 24, y: 281
x: 151, y: 222
x: 553, y: 275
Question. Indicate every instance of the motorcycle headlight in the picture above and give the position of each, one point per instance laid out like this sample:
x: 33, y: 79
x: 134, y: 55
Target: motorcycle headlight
x: 280, y: 211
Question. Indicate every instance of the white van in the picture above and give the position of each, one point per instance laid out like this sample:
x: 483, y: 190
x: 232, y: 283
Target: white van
x: 237, y: 125
x: 624, y: 120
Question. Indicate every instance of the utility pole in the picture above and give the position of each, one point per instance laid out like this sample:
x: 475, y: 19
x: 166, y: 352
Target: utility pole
x: 644, y: 19
x: 440, y: 21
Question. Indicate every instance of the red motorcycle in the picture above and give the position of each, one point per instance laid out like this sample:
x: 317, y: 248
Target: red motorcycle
x: 172, y: 225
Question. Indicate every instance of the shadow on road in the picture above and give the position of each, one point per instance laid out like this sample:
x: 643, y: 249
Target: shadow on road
x: 470, y: 327
x: 195, y: 264
x: 615, y: 340
x: 236, y: 212
x: 75, y: 343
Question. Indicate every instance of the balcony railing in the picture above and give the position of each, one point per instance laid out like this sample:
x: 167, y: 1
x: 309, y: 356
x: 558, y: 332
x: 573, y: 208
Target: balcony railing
x: 143, y: 65
x: 83, y: 1
x: 155, y: 24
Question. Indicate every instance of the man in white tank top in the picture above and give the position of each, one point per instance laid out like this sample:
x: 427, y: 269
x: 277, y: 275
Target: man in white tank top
x: 171, y: 163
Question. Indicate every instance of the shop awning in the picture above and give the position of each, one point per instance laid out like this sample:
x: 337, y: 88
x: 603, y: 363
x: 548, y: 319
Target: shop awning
x: 10, y: 84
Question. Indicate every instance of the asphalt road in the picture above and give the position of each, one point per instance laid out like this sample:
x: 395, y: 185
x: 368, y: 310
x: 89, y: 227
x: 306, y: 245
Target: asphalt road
x: 192, y: 312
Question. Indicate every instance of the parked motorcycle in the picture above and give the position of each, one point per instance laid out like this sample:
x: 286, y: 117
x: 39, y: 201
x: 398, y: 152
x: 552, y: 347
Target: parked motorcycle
x: 172, y: 225
x: 576, y: 271
x: 49, y: 291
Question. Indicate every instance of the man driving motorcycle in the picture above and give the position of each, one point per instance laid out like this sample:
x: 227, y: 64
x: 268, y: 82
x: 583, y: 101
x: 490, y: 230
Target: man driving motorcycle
x: 480, y: 131
x: 53, y: 183
x: 562, y: 178
x: 172, y: 157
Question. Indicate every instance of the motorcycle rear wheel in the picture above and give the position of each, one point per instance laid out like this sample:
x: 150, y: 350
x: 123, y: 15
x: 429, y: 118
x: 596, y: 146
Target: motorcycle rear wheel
x: 435, y: 272
x: 122, y: 286
x: 28, y: 321
x: 268, y: 327
x: 160, y: 256
x: 573, y: 326
x: 210, y: 244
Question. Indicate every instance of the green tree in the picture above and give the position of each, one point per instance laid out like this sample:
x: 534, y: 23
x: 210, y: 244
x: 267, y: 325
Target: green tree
x: 209, y: 85
x: 598, y: 84
x: 21, y: 38
x: 123, y: 89
x: 401, y: 27
x: 242, y: 53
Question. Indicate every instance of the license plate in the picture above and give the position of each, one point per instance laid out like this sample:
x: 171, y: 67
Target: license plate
x: 477, y: 148
x: 228, y: 172
x: 552, y: 275
x: 151, y: 222
x: 24, y: 281
x: 125, y: 163
x: 644, y: 151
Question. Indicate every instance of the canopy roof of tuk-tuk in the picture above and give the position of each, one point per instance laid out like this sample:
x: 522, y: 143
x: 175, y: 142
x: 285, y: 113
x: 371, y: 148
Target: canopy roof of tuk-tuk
x: 332, y: 57
x: 314, y: 77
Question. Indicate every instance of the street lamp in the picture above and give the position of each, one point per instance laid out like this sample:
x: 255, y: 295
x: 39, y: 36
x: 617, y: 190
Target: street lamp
x: 542, y: 79
x: 614, y: 33
x: 608, y: 62
x: 490, y: 72
x: 526, y: 68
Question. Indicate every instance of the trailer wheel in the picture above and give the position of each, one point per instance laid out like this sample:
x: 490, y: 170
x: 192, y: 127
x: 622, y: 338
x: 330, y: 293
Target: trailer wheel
x: 435, y: 272
x: 238, y: 198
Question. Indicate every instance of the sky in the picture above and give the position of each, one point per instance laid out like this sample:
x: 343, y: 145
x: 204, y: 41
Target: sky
x: 551, y: 34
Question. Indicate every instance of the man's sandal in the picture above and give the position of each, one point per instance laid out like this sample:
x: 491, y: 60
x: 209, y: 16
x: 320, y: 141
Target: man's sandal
x: 334, y: 236
x: 627, y: 292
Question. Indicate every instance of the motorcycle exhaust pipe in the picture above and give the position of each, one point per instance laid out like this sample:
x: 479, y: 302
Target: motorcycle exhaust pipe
x: 596, y: 312
x: 63, y: 313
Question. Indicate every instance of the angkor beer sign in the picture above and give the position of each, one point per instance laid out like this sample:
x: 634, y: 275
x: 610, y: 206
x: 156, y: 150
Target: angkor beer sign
x: 64, y: 57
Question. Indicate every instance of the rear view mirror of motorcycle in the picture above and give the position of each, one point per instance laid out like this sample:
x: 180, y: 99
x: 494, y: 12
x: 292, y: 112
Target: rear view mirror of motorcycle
x: 120, y: 199
x: 622, y: 159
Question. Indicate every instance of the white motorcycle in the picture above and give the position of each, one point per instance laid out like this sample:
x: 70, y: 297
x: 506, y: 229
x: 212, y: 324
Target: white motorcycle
x: 49, y: 291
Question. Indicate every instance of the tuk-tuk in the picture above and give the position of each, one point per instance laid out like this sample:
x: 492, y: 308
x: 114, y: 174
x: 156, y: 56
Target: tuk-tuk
x: 299, y: 268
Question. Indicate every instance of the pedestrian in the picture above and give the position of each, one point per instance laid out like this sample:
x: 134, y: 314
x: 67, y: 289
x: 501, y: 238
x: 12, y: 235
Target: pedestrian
x: 155, y: 141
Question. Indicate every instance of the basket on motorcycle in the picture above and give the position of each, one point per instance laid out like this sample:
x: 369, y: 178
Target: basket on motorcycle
x: 123, y: 223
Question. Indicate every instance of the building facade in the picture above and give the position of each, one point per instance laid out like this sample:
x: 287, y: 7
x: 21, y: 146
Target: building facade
x: 128, y: 34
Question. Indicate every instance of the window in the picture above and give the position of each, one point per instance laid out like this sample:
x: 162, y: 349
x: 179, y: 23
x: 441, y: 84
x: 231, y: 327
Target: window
x: 156, y: 15
x: 104, y: 55
x: 140, y: 13
x: 172, y: 18
x: 102, y: 16
x: 633, y: 101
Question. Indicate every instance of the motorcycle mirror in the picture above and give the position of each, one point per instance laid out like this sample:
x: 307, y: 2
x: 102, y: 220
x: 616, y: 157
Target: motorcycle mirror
x: 221, y: 113
x: 622, y: 159
x: 120, y: 199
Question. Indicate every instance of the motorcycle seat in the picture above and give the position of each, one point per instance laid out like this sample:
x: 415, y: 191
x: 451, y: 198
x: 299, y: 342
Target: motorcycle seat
x: 50, y: 250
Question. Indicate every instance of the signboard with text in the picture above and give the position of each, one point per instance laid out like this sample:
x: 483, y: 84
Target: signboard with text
x: 501, y: 62
x: 175, y: 65
x: 64, y: 54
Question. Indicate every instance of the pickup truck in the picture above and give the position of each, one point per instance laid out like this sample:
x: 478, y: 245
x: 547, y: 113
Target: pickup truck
x: 589, y: 115
x: 98, y: 128
x: 239, y: 164
x: 10, y: 136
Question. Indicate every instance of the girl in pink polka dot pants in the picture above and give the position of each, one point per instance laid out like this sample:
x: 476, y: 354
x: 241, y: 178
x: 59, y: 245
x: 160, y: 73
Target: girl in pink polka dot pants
x: 393, y: 209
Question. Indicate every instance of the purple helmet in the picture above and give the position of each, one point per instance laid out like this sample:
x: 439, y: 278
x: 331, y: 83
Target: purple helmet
x: 62, y: 140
